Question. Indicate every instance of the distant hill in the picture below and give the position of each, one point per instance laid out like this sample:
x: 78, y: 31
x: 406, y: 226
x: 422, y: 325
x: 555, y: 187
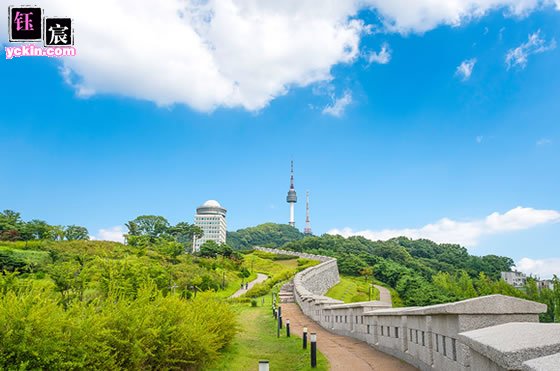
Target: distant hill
x: 421, y: 271
x: 266, y: 235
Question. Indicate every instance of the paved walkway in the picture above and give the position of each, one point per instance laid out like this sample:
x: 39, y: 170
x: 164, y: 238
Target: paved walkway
x: 260, y: 278
x: 384, y: 295
x: 343, y: 353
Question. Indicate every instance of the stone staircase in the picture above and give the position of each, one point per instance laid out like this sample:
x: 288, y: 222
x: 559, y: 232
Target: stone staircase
x: 286, y: 293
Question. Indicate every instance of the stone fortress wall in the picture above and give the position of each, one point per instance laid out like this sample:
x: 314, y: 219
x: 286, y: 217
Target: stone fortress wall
x: 492, y: 333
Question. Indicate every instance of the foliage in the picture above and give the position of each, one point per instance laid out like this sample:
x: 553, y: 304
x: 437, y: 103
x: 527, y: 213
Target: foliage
x: 420, y: 271
x: 147, y: 230
x: 211, y: 249
x: 265, y: 235
x: 149, y: 331
x: 13, y: 228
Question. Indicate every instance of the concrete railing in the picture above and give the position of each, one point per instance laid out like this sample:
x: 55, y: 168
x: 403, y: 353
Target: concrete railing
x: 493, y: 332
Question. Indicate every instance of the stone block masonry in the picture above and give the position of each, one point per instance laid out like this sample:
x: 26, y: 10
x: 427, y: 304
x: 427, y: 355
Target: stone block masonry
x: 493, y: 332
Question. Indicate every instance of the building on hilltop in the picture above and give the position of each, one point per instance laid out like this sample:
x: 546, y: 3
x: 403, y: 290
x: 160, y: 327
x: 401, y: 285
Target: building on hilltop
x: 515, y: 278
x: 211, y: 218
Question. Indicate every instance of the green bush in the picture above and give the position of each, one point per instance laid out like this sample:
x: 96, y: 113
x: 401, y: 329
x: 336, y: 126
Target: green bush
x: 150, y: 331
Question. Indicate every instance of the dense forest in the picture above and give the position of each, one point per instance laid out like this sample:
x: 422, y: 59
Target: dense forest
x: 265, y: 235
x: 421, y: 272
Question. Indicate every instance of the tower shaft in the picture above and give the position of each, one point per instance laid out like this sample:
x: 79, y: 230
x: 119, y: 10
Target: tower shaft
x: 307, y: 229
x: 292, y: 220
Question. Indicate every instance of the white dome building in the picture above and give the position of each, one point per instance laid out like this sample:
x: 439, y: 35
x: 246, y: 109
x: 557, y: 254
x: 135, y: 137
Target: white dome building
x: 211, y: 218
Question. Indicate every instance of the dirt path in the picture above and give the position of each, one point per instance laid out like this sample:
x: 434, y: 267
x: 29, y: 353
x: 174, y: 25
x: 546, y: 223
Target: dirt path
x: 260, y: 278
x: 384, y: 295
x: 343, y: 353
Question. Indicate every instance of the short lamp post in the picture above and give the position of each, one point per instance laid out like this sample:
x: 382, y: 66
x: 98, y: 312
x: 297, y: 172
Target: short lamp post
x: 287, y: 328
x: 264, y: 366
x: 313, y: 350
x: 305, y: 338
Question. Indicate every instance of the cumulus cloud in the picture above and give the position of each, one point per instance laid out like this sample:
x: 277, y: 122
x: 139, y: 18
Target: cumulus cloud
x: 465, y: 69
x: 518, y: 57
x: 543, y: 268
x: 338, y: 106
x: 110, y: 234
x: 467, y: 233
x: 419, y: 16
x: 381, y: 57
x: 205, y: 54
x: 234, y: 53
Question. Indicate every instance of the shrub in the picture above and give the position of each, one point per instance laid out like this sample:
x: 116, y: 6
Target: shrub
x: 151, y: 331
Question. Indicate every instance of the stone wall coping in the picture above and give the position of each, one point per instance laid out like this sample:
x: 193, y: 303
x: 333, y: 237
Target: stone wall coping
x: 320, y: 258
x: 511, y: 344
x: 490, y: 304
x: 364, y: 304
x: 402, y: 311
x: 547, y: 363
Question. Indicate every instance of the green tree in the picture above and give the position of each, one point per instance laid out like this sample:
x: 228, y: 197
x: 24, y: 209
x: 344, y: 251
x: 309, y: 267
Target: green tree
x: 184, y: 233
x: 11, y: 226
x: 151, y: 226
x: 75, y: 232
x: 38, y: 230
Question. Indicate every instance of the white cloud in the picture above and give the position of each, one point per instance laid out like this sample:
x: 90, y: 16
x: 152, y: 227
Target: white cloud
x: 543, y: 142
x: 543, y: 268
x: 110, y: 234
x: 465, y: 69
x: 234, y: 53
x: 337, y: 107
x: 518, y: 57
x: 423, y: 15
x: 383, y: 57
x: 206, y: 54
x: 466, y: 233
x: 479, y: 139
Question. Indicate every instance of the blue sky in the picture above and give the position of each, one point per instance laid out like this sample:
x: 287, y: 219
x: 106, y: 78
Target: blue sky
x: 385, y: 133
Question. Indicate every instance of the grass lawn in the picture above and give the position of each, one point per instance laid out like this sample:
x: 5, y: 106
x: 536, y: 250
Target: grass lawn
x: 267, y: 266
x: 257, y: 341
x: 352, y: 290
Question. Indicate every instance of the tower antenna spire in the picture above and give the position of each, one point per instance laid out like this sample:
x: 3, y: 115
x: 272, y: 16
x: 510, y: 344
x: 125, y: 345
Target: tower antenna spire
x: 307, y: 229
x: 292, y: 197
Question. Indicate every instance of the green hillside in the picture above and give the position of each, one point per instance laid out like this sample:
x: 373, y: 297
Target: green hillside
x: 266, y: 235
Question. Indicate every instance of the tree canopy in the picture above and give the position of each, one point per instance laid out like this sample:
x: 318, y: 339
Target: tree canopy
x: 265, y: 235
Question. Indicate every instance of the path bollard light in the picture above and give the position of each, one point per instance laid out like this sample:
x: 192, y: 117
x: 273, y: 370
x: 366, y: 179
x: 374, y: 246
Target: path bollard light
x: 305, y: 338
x: 288, y: 328
x: 264, y: 366
x: 313, y: 339
x: 279, y: 324
x: 280, y: 317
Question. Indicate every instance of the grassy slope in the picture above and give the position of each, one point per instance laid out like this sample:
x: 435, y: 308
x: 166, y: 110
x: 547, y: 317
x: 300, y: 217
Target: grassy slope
x: 267, y: 266
x: 352, y: 290
x: 257, y: 340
